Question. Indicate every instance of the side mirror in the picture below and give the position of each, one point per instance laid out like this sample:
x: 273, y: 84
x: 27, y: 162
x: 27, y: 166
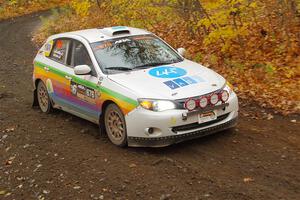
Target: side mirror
x: 82, y: 70
x: 181, y: 51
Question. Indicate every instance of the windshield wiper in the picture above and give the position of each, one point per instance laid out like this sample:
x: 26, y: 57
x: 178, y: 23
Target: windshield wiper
x: 119, y: 68
x: 153, y: 64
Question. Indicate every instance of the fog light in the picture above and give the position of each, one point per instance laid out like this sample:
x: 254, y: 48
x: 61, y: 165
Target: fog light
x: 224, y: 96
x: 214, y: 98
x: 150, y: 130
x: 203, y: 102
x: 190, y: 104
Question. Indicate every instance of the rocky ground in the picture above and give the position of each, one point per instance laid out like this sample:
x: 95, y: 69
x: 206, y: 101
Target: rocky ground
x: 60, y: 156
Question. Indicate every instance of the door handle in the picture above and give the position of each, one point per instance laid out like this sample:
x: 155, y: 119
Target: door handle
x: 68, y: 77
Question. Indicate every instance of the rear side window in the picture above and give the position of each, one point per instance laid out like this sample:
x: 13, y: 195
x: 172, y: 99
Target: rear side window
x: 60, y: 50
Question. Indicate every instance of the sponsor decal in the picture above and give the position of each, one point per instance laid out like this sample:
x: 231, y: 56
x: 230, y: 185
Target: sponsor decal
x: 83, y: 93
x: 189, y: 80
x: 59, y: 54
x: 122, y: 41
x: 180, y: 82
x: 48, y: 48
x: 173, y: 121
x: 104, y: 45
x: 184, y: 81
x: 143, y: 37
x: 198, y: 78
x: 49, y: 86
x: 59, y: 44
x: 171, y: 84
x: 167, y: 72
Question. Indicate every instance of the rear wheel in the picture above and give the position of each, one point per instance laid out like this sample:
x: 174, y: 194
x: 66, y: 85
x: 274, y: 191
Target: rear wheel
x: 43, y: 98
x: 115, y: 125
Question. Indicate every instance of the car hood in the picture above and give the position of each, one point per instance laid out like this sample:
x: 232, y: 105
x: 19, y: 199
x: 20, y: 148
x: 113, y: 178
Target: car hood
x: 175, y: 81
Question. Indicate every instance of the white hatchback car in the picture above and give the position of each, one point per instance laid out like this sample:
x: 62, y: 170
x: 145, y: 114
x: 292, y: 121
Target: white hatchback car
x: 134, y: 85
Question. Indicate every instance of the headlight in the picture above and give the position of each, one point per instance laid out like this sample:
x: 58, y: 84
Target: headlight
x: 156, y: 105
x: 229, y: 88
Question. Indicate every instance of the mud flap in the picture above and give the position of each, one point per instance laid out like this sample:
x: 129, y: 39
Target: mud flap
x: 102, y: 132
x: 35, y: 102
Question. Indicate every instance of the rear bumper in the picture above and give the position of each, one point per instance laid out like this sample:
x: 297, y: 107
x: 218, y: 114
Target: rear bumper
x: 168, y: 140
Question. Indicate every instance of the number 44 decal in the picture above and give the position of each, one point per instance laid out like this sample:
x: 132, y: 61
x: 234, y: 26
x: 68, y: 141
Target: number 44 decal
x: 167, y: 72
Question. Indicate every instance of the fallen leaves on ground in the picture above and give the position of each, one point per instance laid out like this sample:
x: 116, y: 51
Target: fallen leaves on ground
x: 248, y: 179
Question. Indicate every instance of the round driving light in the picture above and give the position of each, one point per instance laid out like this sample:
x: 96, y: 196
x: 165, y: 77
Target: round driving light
x: 203, y: 101
x: 190, y: 104
x: 224, y: 95
x: 214, y: 98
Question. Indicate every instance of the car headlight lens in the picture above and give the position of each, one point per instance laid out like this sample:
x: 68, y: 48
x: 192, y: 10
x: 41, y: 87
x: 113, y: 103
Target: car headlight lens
x: 229, y: 88
x: 156, y: 105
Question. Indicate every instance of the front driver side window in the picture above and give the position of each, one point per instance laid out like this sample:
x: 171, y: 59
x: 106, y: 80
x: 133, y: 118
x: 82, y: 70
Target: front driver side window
x: 81, y: 55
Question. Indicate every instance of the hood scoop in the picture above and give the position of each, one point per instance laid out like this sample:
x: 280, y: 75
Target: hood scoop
x: 115, y: 31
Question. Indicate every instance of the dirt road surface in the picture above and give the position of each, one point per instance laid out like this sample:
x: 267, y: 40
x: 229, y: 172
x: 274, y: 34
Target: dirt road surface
x: 59, y: 156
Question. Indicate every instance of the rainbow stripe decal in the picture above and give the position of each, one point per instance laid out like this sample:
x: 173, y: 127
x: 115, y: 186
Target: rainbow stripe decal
x: 60, y: 91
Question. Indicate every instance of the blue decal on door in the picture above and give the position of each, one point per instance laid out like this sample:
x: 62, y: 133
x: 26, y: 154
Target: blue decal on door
x: 171, y: 84
x: 167, y: 72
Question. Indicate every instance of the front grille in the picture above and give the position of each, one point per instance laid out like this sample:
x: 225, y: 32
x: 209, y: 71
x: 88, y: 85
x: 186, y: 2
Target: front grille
x: 197, y: 125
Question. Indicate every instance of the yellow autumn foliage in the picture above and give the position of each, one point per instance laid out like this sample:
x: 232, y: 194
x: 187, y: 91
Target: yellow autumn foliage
x: 15, y: 8
x: 81, y: 7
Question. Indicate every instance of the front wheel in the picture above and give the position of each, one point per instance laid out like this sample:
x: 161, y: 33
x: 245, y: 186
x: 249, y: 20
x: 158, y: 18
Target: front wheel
x: 115, y: 125
x: 43, y: 98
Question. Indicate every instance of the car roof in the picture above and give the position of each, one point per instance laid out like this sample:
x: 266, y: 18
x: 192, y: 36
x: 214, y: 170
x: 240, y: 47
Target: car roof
x: 102, y: 34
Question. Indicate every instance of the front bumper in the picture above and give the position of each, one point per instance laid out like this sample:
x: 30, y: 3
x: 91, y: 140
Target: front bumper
x: 174, y: 126
x: 168, y: 140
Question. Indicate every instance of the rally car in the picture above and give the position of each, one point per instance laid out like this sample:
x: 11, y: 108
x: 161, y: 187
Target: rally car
x: 138, y: 89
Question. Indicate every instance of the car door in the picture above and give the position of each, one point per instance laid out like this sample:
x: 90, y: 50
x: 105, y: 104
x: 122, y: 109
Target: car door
x: 84, y: 88
x: 59, y: 72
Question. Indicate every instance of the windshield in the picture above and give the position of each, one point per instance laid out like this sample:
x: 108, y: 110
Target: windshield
x: 131, y: 53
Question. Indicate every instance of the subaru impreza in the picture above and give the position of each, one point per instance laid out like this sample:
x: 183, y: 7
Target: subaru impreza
x: 135, y: 86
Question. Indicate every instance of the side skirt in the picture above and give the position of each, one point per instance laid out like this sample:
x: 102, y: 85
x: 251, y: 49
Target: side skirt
x: 83, y: 116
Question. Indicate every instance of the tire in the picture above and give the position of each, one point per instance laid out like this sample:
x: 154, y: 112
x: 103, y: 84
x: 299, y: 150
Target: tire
x: 43, y: 98
x: 115, y: 125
